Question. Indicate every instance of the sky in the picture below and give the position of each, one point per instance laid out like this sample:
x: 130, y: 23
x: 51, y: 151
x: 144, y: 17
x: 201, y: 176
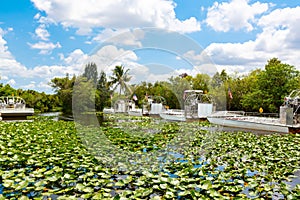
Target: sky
x: 157, y: 39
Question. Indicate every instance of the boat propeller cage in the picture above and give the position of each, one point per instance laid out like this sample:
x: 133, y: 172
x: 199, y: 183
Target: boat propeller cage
x: 293, y: 101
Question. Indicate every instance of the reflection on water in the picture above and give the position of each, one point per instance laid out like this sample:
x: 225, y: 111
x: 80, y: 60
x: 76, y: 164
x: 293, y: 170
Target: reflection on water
x: 53, y: 115
x: 49, y: 114
x: 295, y: 181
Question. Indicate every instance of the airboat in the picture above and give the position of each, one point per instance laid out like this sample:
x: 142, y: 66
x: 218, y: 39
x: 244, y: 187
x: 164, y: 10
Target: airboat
x: 152, y: 106
x: 197, y: 105
x: 14, y: 108
x: 122, y: 105
x: 288, y: 121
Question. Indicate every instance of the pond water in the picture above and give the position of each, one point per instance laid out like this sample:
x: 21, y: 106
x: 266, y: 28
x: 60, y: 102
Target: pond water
x: 54, y: 115
x: 295, y: 181
x: 50, y: 114
x: 176, y: 157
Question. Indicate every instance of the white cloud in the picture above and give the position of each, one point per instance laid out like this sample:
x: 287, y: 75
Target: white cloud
x: 123, y: 37
x: 116, y: 14
x: 74, y: 58
x: 236, y: 15
x: 45, y: 71
x: 11, y: 82
x: 44, y: 86
x: 109, y: 55
x: 37, y: 16
x: 42, y: 32
x: 73, y: 64
x: 197, y: 58
x: 30, y: 86
x: 45, y: 47
x: 12, y: 70
x: 8, y: 64
x: 152, y: 78
x: 3, y: 78
x: 280, y: 38
x: 280, y: 25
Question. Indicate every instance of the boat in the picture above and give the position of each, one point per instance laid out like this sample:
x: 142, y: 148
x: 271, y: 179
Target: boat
x: 136, y: 112
x: 152, y: 106
x: 124, y: 106
x: 108, y: 111
x: 133, y: 111
x: 197, y: 105
x: 14, y: 108
x: 288, y: 121
x: 155, y: 105
x: 173, y: 115
x: 120, y: 106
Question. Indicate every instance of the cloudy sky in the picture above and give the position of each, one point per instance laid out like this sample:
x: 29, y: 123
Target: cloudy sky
x: 42, y: 39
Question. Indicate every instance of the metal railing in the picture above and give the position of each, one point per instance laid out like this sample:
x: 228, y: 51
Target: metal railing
x: 275, y: 115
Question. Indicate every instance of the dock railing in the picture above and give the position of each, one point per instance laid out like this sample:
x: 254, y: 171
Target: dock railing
x: 257, y: 114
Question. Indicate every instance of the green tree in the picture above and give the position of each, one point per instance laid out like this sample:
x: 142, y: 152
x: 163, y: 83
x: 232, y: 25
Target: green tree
x: 218, y: 88
x: 64, y: 89
x: 219, y: 79
x: 90, y: 72
x: 245, y: 92
x: 200, y: 82
x: 120, y: 78
x: 84, y: 95
x: 178, y: 86
x: 102, y: 92
x: 275, y: 82
x: 6, y: 90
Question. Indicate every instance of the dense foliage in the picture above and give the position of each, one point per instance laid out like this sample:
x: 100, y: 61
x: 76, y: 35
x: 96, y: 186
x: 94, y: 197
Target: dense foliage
x: 40, y: 101
x: 272, y: 85
x: 46, y: 158
x: 64, y: 89
x: 264, y: 88
x: 90, y: 91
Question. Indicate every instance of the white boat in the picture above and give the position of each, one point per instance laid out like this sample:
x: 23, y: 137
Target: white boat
x: 108, y: 111
x: 136, y: 112
x: 287, y: 122
x: 155, y: 105
x: 196, y: 106
x: 249, y: 123
x: 120, y: 106
x: 125, y: 106
x: 173, y: 115
x: 205, y: 109
x: 14, y: 108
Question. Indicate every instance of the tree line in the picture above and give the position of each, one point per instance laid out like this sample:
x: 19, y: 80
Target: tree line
x: 40, y: 101
x: 260, y: 88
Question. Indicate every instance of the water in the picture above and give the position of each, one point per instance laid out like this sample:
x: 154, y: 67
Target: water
x: 1, y: 189
x: 50, y: 114
x: 53, y: 115
x: 295, y: 181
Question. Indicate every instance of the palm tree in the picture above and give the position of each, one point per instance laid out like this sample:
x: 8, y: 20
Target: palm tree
x: 119, y: 78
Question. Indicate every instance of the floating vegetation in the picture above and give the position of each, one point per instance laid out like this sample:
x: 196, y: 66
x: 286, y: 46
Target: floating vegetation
x: 52, y: 159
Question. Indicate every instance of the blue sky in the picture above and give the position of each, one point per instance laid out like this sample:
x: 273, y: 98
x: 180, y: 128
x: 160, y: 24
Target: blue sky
x: 42, y: 39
